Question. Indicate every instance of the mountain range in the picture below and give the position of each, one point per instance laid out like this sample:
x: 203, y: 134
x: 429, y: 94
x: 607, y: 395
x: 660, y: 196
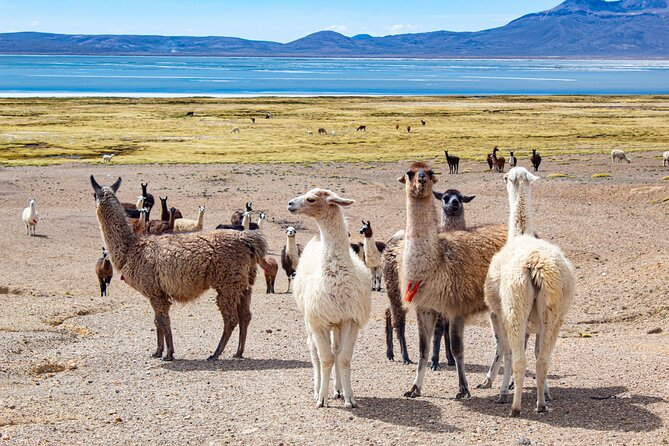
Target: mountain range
x: 630, y: 29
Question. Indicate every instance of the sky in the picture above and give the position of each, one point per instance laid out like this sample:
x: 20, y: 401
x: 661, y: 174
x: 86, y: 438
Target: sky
x: 280, y: 21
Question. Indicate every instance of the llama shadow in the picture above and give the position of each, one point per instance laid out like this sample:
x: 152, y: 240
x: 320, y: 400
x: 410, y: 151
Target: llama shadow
x: 598, y: 409
x: 413, y: 413
x: 41, y: 236
x: 245, y: 364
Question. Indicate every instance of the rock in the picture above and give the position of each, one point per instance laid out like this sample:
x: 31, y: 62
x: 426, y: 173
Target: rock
x: 524, y: 441
x: 268, y: 331
x: 657, y: 330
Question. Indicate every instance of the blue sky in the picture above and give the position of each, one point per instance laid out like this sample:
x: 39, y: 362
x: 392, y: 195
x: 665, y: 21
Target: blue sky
x: 260, y: 19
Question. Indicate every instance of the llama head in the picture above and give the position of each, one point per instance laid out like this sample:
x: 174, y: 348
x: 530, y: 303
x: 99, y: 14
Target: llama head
x: 290, y: 231
x: 163, y: 201
x: 249, y: 207
x: 103, y: 193
x: 518, y: 178
x: 452, y: 201
x: 104, y: 253
x: 261, y: 216
x: 31, y: 201
x: 418, y: 180
x: 200, y: 208
x: 366, y: 229
x: 317, y: 203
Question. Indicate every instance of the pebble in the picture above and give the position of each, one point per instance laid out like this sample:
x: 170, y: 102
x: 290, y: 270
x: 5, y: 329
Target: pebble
x: 269, y: 331
x: 524, y: 441
x: 657, y: 330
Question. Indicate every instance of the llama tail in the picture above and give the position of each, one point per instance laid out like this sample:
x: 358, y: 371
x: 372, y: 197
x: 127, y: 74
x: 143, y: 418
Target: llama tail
x: 553, y: 280
x: 256, y: 243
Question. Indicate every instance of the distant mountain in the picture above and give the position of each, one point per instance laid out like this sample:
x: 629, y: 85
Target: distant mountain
x: 576, y: 28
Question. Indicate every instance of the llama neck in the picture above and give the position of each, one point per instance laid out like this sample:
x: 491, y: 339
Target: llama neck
x: 451, y: 222
x: 200, y: 219
x: 369, y: 245
x: 521, y: 221
x: 421, y: 219
x: 334, y: 236
x: 260, y: 223
x: 246, y: 221
x: 164, y: 212
x: 291, y: 245
x: 115, y: 230
x: 140, y: 203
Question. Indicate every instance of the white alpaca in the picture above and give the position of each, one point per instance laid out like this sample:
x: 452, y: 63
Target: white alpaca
x: 188, y: 225
x: 332, y: 291
x: 372, y: 254
x: 30, y: 217
x: 290, y: 255
x: 665, y: 159
x: 529, y: 288
x: 107, y: 158
x: 619, y: 155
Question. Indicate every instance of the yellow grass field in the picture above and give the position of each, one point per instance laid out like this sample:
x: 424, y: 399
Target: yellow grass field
x: 40, y: 131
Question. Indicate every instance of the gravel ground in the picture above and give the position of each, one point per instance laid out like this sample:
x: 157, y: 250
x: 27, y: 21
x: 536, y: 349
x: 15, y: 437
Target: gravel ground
x: 75, y: 368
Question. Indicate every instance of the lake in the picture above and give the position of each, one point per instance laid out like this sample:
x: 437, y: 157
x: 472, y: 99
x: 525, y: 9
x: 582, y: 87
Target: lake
x: 232, y: 76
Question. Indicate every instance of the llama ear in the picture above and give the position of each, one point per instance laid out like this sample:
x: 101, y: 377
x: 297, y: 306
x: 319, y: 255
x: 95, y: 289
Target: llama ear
x: 468, y: 198
x: 116, y: 185
x: 96, y: 186
x: 532, y: 177
x: 433, y: 177
x: 402, y: 179
x: 438, y: 195
x: 339, y: 201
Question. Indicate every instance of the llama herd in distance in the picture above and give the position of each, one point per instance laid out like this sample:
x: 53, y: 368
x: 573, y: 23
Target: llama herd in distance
x: 437, y: 266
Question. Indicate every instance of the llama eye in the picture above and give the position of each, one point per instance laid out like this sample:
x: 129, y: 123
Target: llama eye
x: 311, y: 200
x: 410, y: 174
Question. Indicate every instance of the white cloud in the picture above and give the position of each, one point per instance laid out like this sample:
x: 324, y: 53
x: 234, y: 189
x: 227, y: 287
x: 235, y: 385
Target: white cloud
x: 402, y: 28
x: 34, y: 23
x: 338, y: 28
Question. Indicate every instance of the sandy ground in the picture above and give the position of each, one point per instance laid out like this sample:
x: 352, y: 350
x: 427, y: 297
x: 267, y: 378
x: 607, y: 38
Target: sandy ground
x: 75, y: 367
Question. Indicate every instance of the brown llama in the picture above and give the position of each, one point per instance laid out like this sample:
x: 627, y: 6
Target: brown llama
x: 105, y: 272
x: 497, y: 161
x: 270, y: 266
x: 361, y: 128
x: 179, y: 268
x: 442, y: 273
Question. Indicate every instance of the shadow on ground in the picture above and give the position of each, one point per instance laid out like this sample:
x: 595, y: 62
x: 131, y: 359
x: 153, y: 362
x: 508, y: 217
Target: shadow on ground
x: 599, y: 408
x: 246, y: 364
x: 415, y: 413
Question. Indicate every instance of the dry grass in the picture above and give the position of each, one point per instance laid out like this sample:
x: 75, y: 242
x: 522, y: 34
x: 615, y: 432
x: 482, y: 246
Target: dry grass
x: 557, y: 175
x: 39, y: 131
x: 601, y: 175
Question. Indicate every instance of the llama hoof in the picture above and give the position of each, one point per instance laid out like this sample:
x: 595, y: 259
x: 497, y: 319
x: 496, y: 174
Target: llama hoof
x: 435, y: 366
x: 514, y: 413
x: 322, y: 402
x: 485, y: 384
x: 502, y: 399
x: 413, y: 393
x: 337, y: 394
x: 351, y: 404
x: 238, y: 355
x: 157, y: 354
x: 167, y: 358
x: 511, y: 385
x: 463, y: 393
x: 408, y: 361
x: 547, y: 396
x: 212, y: 358
x: 451, y: 363
x: 390, y: 356
x: 542, y: 408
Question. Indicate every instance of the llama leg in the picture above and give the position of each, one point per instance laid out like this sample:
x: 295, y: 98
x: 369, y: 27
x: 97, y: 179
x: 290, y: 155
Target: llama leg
x: 327, y: 359
x: 537, y: 343
x: 496, y: 360
x: 457, y: 331
x: 348, y: 337
x: 102, y: 287
x: 315, y: 361
x: 389, y: 336
x: 546, y: 343
x: 160, y: 332
x: 518, y: 363
x: 436, y: 342
x: 426, y: 320
x: 447, y: 344
x: 336, y: 351
x: 165, y: 331
x: 244, y: 314
x: 229, y: 310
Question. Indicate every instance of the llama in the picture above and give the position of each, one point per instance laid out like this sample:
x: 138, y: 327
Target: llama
x: 149, y: 201
x: 453, y: 162
x: 158, y: 227
x: 235, y: 130
x: 497, y: 161
x: 442, y: 273
x: 190, y: 114
x: 665, y: 159
x: 334, y: 133
x: 270, y: 267
x: 136, y: 205
x: 165, y: 211
x: 397, y: 126
x: 179, y: 268
x: 535, y: 159
x: 372, y: 251
x: 620, y: 156
x: 529, y: 288
x: 512, y: 159
x: 290, y: 255
x: 105, y: 272
x: 422, y: 122
x: 138, y: 225
x: 188, y: 225
x: 452, y: 217
x: 332, y: 291
x: 238, y: 215
x: 322, y: 131
x: 408, y: 129
x: 133, y: 213
x: 361, y: 128
x: 30, y: 217
x: 107, y: 158
x: 489, y: 160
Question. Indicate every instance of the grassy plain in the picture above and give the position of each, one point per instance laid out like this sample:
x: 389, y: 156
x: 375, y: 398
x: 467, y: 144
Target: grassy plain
x: 39, y: 131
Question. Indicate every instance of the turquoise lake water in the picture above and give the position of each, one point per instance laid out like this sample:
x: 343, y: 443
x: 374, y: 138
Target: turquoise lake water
x: 228, y: 76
